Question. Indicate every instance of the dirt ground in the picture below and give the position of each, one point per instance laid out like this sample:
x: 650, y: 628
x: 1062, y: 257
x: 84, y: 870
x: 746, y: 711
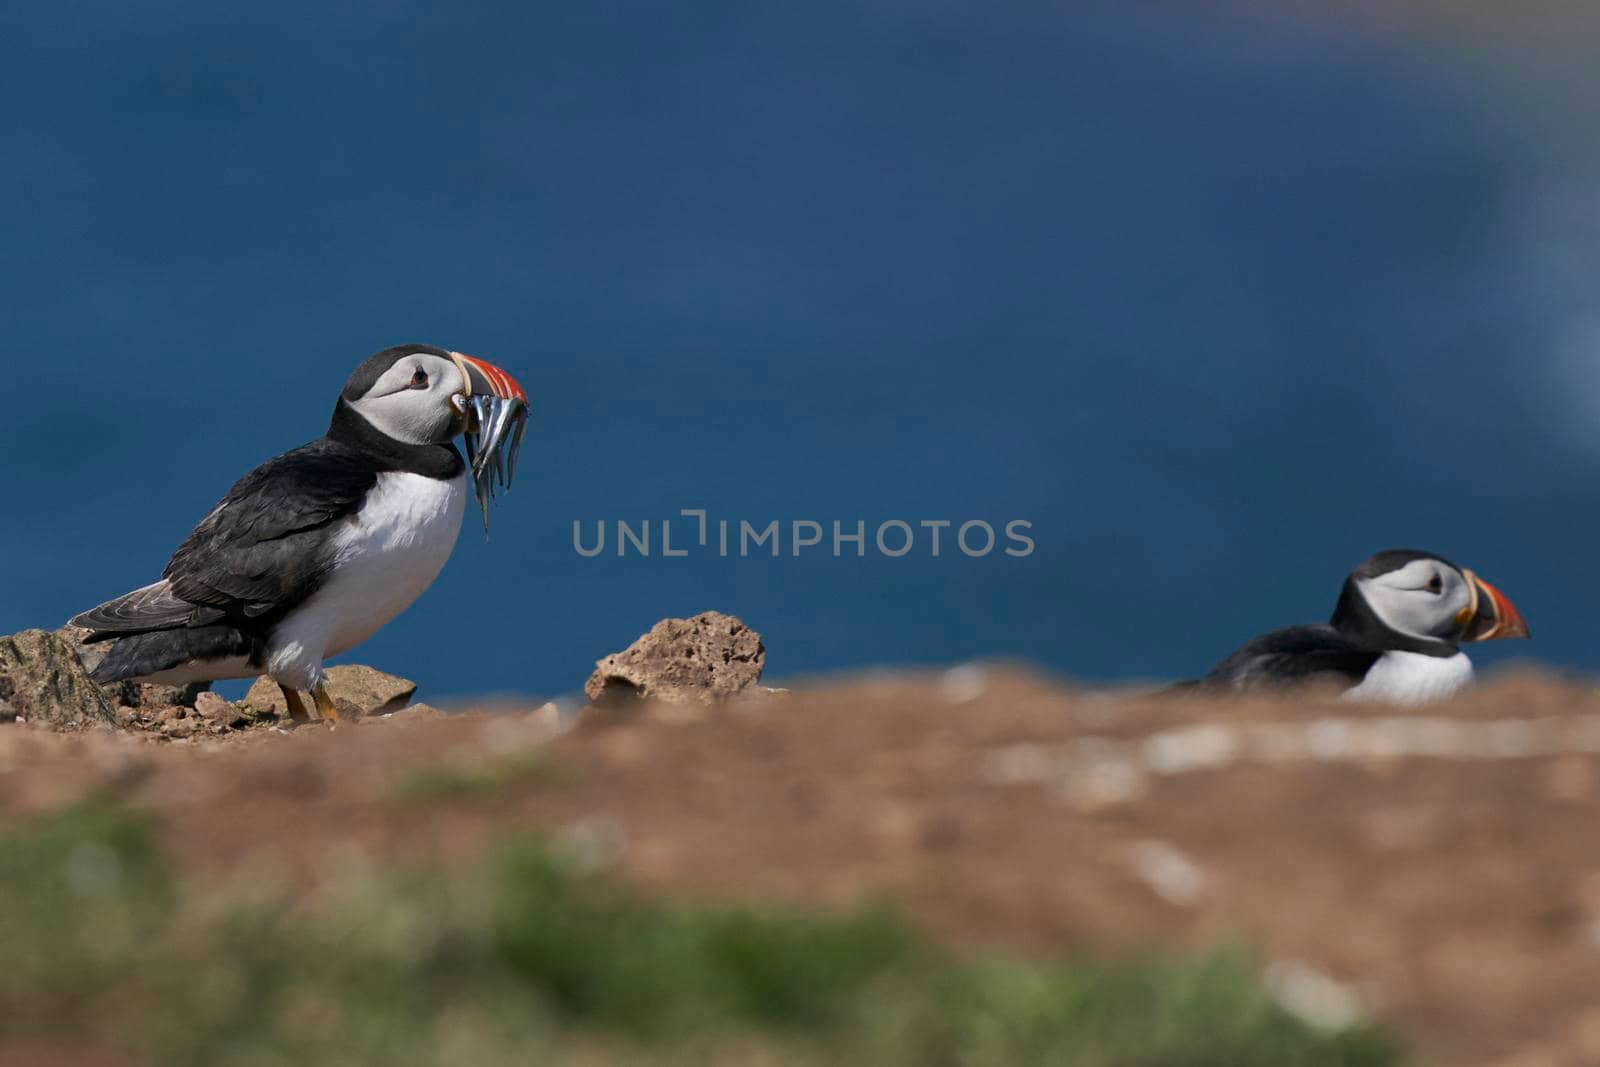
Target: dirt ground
x: 1439, y: 869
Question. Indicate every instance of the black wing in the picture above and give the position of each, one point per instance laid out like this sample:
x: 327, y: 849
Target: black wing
x: 153, y: 607
x: 1289, y: 657
x: 262, y: 548
x: 259, y: 552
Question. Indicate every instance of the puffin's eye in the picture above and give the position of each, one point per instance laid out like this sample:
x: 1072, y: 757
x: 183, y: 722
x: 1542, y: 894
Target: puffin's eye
x: 419, y: 380
x: 1436, y: 584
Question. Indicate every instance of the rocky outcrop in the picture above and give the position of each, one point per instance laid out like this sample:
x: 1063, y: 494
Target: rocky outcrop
x: 357, y: 691
x: 699, y: 660
x: 42, y: 682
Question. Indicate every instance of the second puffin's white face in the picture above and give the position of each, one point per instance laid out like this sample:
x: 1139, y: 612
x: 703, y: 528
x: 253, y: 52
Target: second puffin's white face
x: 412, y: 400
x: 1425, y: 598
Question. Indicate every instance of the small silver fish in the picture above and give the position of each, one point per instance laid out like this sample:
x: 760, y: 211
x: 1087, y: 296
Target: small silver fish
x: 494, y: 436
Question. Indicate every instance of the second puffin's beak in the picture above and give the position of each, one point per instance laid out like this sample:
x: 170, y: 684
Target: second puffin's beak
x: 1491, y: 615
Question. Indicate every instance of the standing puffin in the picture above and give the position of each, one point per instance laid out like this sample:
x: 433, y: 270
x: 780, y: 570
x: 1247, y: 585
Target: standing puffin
x: 1394, y: 635
x: 314, y: 550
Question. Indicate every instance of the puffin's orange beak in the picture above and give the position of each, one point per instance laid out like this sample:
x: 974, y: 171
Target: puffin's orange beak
x: 1495, y: 617
x: 482, y: 378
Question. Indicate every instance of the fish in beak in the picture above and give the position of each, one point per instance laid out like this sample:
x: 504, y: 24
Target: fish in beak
x: 495, y: 408
x: 1490, y: 615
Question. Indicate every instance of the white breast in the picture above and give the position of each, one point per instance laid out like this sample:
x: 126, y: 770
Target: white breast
x: 1412, y: 678
x: 384, y: 557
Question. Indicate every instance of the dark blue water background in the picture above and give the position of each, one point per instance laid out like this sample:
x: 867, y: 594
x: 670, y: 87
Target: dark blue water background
x: 1220, y: 303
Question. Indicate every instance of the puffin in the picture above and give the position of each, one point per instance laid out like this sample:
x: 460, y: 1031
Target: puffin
x: 312, y: 552
x: 1395, y: 635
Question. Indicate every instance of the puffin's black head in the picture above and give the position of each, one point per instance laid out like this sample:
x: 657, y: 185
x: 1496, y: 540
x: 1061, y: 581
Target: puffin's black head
x: 1421, y: 597
x: 419, y: 394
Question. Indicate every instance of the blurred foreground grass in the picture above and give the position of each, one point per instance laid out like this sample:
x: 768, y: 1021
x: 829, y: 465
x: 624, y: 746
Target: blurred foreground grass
x: 524, y: 958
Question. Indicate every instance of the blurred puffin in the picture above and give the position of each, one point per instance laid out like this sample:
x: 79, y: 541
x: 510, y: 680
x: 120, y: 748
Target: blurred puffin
x: 1394, y: 635
x: 314, y: 550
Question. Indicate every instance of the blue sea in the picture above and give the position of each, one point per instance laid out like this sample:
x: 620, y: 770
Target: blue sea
x: 1215, y: 300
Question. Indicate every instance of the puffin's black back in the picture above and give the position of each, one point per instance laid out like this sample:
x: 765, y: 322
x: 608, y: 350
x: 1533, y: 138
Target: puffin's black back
x: 1293, y: 656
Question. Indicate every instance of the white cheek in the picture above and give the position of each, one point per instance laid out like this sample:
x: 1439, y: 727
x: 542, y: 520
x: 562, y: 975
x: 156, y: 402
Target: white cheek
x: 413, y: 416
x: 1417, y: 614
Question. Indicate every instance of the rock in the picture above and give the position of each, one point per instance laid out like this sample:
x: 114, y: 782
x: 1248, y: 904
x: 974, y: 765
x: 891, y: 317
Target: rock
x: 547, y: 716
x: 42, y: 681
x: 220, y: 712
x: 180, y: 725
x: 355, y: 690
x: 146, y: 695
x: 265, y: 698
x: 88, y: 655
x: 700, y: 660
x: 150, y: 696
x: 411, y: 713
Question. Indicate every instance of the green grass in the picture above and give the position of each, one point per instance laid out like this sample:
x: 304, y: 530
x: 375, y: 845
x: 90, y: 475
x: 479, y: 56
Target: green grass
x: 521, y: 959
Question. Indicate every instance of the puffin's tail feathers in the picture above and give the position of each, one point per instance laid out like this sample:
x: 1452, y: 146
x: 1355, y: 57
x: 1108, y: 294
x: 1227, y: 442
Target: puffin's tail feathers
x: 145, y: 654
x: 154, y: 607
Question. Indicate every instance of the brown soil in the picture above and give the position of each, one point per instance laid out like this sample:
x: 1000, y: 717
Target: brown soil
x: 1455, y: 894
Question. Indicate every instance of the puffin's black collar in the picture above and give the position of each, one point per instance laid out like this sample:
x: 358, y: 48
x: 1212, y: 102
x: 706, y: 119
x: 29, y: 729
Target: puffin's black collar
x: 351, y: 430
